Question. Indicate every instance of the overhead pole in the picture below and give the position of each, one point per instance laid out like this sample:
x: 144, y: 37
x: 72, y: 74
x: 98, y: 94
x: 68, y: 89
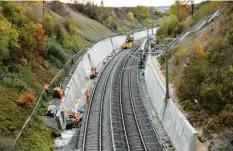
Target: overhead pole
x: 152, y: 28
x: 192, y: 5
x: 167, y: 72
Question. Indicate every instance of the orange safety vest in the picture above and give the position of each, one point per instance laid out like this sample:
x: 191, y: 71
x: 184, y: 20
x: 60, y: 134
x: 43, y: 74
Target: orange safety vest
x: 71, y: 113
x: 77, y: 117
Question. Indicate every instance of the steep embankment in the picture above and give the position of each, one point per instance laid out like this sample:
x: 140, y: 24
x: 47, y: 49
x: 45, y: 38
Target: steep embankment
x: 201, y: 69
x: 87, y: 27
x: 119, y: 19
x: 34, y: 46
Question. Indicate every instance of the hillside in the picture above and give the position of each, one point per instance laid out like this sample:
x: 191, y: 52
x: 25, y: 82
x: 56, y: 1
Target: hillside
x: 34, y: 47
x: 87, y: 27
x: 120, y: 19
x: 200, y: 69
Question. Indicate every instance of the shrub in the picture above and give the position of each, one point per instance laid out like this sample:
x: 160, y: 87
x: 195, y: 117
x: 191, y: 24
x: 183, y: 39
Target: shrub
x: 27, y: 98
x: 14, y: 81
x: 55, y: 50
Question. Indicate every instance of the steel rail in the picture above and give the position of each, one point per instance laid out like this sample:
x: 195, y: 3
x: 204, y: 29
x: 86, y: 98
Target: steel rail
x: 133, y: 107
x: 91, y: 98
x: 119, y: 136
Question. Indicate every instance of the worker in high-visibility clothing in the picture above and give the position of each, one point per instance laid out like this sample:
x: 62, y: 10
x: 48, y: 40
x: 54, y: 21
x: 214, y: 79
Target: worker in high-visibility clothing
x: 87, y: 93
x: 46, y: 89
x: 71, y: 113
x: 61, y: 93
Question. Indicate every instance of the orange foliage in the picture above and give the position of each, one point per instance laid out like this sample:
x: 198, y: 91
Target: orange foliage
x: 2, y: 28
x: 185, y: 9
x: 198, y: 49
x: 39, y: 35
x: 27, y: 98
x: 205, y: 37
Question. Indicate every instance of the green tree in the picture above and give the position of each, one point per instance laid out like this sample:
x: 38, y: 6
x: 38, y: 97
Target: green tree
x: 177, y: 9
x: 8, y: 38
x: 141, y: 13
x: 27, y: 42
x: 170, y: 24
x: 49, y: 23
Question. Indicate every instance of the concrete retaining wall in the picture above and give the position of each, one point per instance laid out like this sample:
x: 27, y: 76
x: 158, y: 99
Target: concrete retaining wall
x: 98, y: 53
x: 180, y: 131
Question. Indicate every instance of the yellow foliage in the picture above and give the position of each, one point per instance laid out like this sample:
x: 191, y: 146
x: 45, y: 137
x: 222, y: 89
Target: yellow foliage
x: 198, y: 49
x: 130, y: 16
x: 230, y: 68
x: 113, y: 14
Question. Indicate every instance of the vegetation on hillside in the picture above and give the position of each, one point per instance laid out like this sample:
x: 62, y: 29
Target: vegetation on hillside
x: 201, y: 70
x: 179, y: 18
x: 118, y: 19
x: 31, y: 52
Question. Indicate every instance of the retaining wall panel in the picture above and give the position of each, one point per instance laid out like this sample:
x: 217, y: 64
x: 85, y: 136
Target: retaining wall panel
x: 180, y: 131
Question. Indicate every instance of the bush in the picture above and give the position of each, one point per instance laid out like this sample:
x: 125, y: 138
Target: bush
x: 110, y: 23
x: 14, y: 81
x: 55, y: 50
x: 27, y: 98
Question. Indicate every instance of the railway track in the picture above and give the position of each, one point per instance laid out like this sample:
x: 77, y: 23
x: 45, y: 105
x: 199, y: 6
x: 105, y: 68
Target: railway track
x: 131, y: 126
x: 117, y: 118
x: 96, y: 126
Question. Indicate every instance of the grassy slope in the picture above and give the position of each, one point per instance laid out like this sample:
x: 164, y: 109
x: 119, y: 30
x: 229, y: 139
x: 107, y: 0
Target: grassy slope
x: 87, y: 26
x: 36, y: 136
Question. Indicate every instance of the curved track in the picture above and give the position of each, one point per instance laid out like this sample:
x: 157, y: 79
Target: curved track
x: 93, y: 127
x: 117, y: 118
x: 131, y: 126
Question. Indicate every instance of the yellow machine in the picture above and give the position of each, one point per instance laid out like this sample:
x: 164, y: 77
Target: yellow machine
x: 129, y: 42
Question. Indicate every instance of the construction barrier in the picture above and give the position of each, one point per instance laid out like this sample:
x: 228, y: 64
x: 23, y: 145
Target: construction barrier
x: 180, y: 131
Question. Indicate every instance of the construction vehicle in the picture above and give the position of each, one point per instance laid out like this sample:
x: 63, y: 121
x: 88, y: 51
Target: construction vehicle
x: 73, y: 119
x: 93, y: 68
x: 129, y: 42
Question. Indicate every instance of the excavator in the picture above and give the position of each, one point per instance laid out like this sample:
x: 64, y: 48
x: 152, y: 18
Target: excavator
x: 129, y: 42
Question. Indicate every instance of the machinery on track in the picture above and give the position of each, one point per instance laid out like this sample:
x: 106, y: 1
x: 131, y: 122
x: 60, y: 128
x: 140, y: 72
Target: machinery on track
x: 129, y: 42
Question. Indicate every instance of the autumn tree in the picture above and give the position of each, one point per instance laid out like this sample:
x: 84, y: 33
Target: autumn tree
x: 113, y: 14
x: 130, y: 15
x: 198, y: 49
x: 39, y: 35
x: 27, y: 98
x: 179, y: 10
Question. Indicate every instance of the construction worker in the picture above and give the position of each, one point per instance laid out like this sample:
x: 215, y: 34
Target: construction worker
x: 93, y: 73
x: 61, y: 93
x: 46, y: 89
x: 70, y: 113
x: 87, y: 93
